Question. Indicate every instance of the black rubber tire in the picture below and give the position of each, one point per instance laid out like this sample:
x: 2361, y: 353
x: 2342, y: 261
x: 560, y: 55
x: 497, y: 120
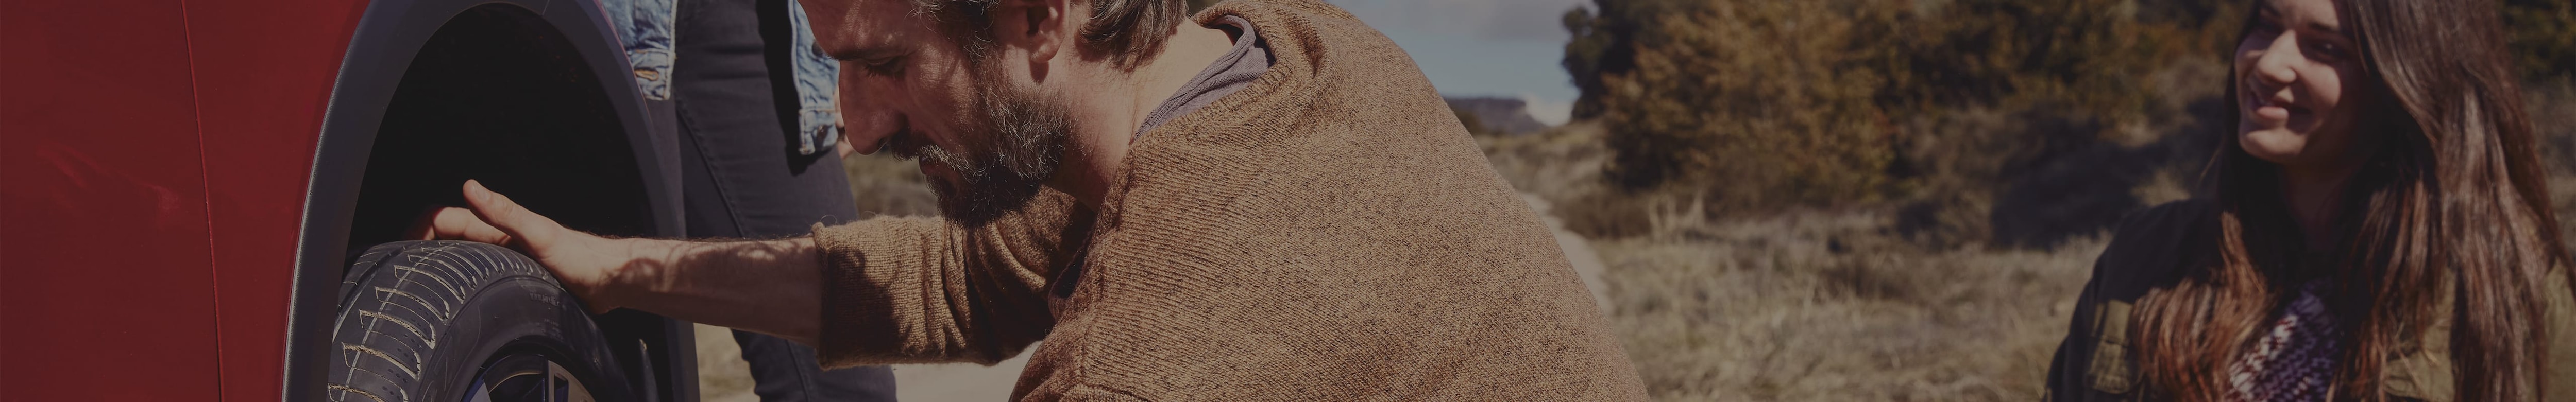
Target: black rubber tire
x: 419, y: 320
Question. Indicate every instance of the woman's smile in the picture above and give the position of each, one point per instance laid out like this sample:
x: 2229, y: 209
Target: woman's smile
x: 2270, y: 106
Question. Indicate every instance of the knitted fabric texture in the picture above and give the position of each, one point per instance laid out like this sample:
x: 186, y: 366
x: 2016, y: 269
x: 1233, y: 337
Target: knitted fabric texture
x: 2294, y: 362
x: 1330, y: 232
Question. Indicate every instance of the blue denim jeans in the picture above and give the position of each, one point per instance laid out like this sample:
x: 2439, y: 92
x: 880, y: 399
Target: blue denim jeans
x: 647, y: 28
x: 756, y: 160
x: 817, y: 88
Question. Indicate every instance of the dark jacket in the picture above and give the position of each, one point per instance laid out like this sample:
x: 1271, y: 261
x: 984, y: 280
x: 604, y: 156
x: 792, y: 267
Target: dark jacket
x: 2097, y: 361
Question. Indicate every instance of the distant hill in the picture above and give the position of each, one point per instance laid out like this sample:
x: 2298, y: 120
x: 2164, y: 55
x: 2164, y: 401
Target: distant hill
x: 1496, y: 115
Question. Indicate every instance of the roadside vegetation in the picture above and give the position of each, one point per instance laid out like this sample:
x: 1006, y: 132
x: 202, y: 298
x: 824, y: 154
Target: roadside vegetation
x: 1892, y: 199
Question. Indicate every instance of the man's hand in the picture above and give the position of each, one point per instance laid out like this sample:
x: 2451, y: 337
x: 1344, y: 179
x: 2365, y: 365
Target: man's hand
x: 771, y: 286
x: 582, y: 261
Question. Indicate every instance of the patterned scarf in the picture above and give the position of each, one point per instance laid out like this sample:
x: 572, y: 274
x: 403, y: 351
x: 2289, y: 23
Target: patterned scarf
x: 2294, y: 361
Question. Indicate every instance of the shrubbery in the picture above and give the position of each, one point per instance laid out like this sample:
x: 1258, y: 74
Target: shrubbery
x: 1950, y: 112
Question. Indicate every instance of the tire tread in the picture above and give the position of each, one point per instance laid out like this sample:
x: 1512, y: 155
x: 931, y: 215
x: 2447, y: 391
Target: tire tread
x: 399, y: 301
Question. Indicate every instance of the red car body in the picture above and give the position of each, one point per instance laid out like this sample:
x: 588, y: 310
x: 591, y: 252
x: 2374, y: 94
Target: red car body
x: 169, y: 190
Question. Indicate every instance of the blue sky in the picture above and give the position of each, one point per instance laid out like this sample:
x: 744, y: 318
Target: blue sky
x: 1507, y: 48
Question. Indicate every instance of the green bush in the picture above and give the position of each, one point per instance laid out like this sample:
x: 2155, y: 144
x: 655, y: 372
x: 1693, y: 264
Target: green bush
x: 1944, y: 107
x: 1758, y: 105
x: 2543, y: 37
x: 1754, y: 103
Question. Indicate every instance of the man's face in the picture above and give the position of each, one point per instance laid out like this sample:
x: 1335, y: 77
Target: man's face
x: 986, y: 139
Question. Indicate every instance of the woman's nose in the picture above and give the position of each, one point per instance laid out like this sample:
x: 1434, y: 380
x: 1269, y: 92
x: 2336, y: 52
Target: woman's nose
x: 2276, y: 66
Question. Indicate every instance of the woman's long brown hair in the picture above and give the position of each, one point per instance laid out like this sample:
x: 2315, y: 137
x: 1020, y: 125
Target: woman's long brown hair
x: 2448, y: 223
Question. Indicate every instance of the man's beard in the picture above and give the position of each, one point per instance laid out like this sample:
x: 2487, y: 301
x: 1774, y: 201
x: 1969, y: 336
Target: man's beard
x: 1014, y: 140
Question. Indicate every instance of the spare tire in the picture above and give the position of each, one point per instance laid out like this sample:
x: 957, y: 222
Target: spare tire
x: 459, y: 321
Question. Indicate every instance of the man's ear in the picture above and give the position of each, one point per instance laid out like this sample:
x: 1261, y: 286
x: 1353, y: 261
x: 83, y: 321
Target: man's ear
x: 1040, y: 25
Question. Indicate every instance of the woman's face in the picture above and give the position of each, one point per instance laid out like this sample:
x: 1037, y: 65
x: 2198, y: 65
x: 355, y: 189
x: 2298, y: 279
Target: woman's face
x: 2297, y: 75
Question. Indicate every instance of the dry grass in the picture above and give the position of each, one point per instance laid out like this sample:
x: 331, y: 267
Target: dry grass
x: 1822, y: 307
x: 1808, y: 305
x: 885, y: 185
x: 722, y: 375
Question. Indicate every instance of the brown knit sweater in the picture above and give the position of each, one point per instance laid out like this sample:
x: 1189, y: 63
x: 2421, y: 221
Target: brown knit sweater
x: 1328, y: 233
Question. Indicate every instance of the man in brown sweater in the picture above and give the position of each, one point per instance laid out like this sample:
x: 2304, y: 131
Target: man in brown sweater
x: 1266, y: 201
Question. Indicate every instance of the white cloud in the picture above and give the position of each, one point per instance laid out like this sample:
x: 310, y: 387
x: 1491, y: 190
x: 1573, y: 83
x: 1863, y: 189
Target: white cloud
x: 1552, y: 112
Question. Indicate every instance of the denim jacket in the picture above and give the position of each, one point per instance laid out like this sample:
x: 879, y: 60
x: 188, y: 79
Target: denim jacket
x: 646, y: 28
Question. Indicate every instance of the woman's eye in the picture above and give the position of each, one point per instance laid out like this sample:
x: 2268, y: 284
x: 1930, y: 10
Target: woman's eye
x: 2329, y: 50
x: 2267, y: 26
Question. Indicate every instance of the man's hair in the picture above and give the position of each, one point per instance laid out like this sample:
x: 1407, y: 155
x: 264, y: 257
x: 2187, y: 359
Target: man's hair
x: 1125, y: 32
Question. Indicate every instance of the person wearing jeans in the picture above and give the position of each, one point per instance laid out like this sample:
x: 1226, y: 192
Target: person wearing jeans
x: 751, y: 100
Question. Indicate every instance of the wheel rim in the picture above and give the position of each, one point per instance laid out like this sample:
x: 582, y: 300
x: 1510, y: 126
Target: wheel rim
x: 527, y: 377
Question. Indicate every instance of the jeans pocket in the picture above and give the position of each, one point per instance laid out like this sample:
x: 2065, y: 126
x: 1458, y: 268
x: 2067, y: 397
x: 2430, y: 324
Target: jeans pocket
x: 652, y: 72
x: 644, y: 27
x: 822, y: 126
x: 817, y: 84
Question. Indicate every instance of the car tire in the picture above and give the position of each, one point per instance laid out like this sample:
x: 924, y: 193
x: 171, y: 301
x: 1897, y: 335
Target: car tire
x: 459, y: 321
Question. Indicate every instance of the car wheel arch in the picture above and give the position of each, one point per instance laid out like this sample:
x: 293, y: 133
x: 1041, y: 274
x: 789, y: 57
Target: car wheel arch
x: 380, y: 53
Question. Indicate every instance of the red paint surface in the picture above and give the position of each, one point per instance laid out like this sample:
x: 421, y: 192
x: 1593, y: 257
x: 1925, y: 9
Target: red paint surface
x: 155, y: 165
x: 262, y: 86
x: 109, y: 290
x: 154, y: 157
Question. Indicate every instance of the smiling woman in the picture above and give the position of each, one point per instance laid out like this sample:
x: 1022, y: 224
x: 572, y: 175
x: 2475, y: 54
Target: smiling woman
x: 2295, y: 72
x: 2380, y: 229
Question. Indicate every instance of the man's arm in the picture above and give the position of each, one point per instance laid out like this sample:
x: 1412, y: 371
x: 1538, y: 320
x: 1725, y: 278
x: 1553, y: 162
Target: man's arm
x: 766, y: 286
x: 761, y: 286
x: 887, y: 290
x: 915, y: 290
